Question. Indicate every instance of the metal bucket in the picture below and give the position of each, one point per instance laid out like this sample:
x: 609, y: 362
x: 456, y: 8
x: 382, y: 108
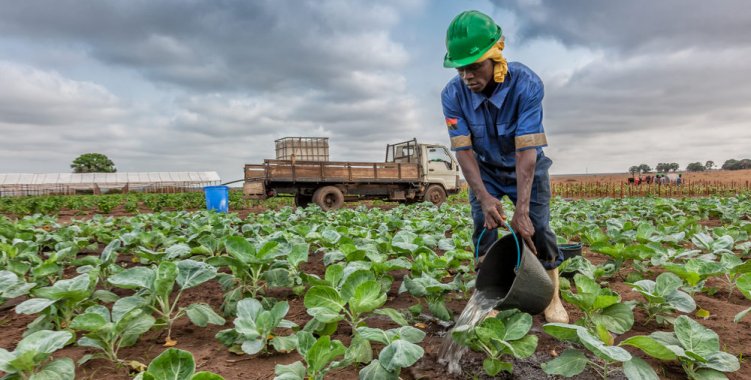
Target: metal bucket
x: 528, y: 289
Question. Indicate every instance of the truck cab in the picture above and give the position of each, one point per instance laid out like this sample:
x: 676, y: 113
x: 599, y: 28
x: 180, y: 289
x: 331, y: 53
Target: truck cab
x: 442, y: 167
x: 438, y: 167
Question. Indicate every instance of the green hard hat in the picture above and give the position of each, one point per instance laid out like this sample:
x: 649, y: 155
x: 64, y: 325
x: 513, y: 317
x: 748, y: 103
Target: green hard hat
x: 468, y: 37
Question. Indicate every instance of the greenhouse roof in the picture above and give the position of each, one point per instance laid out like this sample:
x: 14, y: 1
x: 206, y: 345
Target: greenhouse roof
x: 106, y: 178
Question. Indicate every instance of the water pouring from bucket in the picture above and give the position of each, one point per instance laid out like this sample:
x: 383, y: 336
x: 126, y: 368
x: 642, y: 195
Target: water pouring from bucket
x: 509, y: 277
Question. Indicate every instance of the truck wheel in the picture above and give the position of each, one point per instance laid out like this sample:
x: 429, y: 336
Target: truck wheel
x: 435, y: 195
x: 328, y: 198
x: 302, y: 200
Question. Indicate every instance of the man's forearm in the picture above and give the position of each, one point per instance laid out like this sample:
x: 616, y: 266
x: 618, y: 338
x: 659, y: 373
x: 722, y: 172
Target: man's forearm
x: 525, y: 173
x: 471, y: 171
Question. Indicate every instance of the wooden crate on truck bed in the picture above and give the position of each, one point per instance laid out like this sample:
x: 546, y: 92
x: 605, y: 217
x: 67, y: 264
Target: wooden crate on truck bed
x: 311, y: 171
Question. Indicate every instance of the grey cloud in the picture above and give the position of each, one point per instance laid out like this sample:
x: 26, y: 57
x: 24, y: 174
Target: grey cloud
x: 233, y: 76
x: 669, y: 81
x: 224, y: 79
x: 635, y: 25
x: 238, y: 45
x: 46, y: 98
x: 653, y: 92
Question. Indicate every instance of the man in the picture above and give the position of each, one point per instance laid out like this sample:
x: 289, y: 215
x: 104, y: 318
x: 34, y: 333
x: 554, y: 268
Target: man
x: 493, y: 113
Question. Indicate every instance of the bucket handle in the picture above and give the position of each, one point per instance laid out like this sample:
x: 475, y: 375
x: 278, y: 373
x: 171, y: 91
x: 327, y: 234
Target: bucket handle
x: 516, y: 240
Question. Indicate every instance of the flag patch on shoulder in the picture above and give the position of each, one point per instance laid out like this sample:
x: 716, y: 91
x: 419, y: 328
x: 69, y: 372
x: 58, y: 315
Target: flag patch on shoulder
x: 451, y: 124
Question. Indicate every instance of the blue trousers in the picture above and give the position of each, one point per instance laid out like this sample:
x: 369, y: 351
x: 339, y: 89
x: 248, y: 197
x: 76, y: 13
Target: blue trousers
x: 500, y: 182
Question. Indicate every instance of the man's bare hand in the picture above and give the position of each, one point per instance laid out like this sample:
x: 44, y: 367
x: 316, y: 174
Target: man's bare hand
x: 493, y: 211
x: 522, y: 225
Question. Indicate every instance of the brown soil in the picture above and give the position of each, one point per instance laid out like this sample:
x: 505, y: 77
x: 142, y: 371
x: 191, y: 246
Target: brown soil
x: 210, y: 355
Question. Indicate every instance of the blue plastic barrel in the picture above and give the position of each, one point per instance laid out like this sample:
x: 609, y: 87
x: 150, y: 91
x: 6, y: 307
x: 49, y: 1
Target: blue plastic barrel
x: 217, y: 198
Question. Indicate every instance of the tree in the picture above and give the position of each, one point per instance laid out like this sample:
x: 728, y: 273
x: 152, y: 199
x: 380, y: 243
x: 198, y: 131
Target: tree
x: 633, y: 170
x: 695, y: 167
x: 732, y: 164
x: 93, y: 163
x: 644, y: 168
x: 664, y: 167
x: 709, y: 165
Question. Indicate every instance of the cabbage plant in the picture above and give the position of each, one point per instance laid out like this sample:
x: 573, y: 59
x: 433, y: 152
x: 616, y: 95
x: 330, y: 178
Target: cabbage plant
x: 733, y: 266
x: 318, y: 357
x: 250, y: 267
x: 155, y: 288
x: 174, y: 364
x: 368, y: 257
x: 109, y: 332
x: 695, y: 271
x: 432, y: 290
x: 580, y: 264
x: 32, y: 358
x: 572, y: 362
x: 743, y: 283
x: 285, y: 270
x: 105, y: 264
x: 712, y: 246
x: 21, y: 256
x: 11, y: 286
x: 342, y: 297
x: 600, y: 306
x: 696, y: 347
x: 59, y: 303
x: 620, y: 253
x: 663, y: 297
x: 506, y: 334
x: 255, y: 328
x: 400, y: 351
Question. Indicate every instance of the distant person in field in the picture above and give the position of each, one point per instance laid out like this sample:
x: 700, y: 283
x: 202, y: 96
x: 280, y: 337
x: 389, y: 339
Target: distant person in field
x: 493, y: 112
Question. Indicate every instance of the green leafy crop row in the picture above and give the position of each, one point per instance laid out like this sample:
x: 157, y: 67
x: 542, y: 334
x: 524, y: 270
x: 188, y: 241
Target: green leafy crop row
x: 104, y: 282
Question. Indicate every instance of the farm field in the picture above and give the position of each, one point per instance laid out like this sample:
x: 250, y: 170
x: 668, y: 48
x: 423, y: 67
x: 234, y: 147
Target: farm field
x: 719, y: 176
x: 66, y: 207
x: 716, y: 182
x: 367, y: 291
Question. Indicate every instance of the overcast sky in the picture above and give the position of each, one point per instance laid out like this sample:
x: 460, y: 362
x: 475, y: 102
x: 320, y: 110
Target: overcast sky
x: 183, y: 85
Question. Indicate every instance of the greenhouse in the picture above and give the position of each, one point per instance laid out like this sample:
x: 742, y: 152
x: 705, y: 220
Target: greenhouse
x: 17, y: 184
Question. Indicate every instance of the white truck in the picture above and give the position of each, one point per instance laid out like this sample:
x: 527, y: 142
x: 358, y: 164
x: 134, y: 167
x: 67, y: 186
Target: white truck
x: 411, y: 172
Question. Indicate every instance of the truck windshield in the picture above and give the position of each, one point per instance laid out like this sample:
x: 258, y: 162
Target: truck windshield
x: 439, y: 155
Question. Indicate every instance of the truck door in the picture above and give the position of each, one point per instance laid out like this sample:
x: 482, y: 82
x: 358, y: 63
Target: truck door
x: 441, y: 167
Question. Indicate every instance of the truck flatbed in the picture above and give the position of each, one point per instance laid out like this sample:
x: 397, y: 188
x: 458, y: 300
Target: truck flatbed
x: 332, y: 171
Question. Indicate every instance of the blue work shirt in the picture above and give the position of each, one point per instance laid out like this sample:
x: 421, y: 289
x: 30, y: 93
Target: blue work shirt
x: 499, y: 126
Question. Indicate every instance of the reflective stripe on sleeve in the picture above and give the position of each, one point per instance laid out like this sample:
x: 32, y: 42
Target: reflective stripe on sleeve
x: 530, y: 140
x: 461, y: 142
